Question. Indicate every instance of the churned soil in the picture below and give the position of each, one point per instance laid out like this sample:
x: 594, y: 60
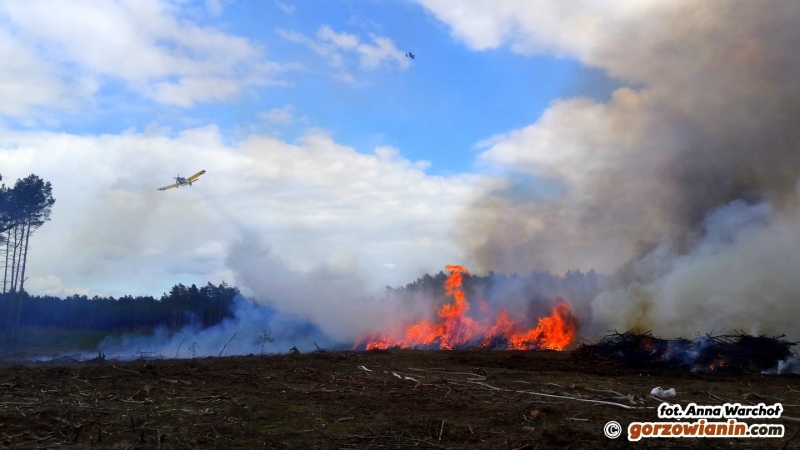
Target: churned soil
x: 364, y: 400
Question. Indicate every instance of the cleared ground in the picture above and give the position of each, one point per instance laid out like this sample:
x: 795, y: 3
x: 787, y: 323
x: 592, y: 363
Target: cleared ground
x: 384, y: 399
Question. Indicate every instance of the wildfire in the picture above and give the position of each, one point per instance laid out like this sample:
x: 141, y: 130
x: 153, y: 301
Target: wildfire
x: 455, y: 329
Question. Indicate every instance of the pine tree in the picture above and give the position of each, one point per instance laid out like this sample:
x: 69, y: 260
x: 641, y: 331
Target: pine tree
x: 23, y: 209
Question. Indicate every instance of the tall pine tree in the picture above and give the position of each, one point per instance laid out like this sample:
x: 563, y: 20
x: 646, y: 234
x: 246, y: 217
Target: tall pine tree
x: 23, y: 209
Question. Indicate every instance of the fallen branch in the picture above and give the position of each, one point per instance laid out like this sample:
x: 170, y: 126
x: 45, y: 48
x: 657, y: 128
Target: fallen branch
x: 127, y: 370
x: 600, y: 402
x: 604, y: 390
x: 179, y: 347
x: 716, y: 397
x: 475, y: 376
x: 226, y: 345
x: 319, y: 349
x: 131, y: 401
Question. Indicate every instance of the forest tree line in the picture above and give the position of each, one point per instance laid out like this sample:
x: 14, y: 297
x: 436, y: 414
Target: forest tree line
x: 209, y: 305
x: 183, y: 305
x: 537, y: 288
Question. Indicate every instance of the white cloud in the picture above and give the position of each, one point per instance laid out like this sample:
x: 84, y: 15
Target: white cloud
x: 383, y: 50
x: 344, y: 77
x: 282, y: 115
x: 315, y: 204
x: 287, y: 9
x: 214, y: 7
x: 337, y: 47
x: 327, y: 51
x: 145, y: 44
x: 28, y: 83
x: 52, y: 285
x: 341, y: 40
x: 575, y: 29
x: 189, y: 91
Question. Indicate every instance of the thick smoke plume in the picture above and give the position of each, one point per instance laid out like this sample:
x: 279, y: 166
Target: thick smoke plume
x: 683, y: 184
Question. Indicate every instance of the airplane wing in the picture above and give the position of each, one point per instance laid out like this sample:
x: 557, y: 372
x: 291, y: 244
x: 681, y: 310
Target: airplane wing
x: 196, y: 176
x: 168, y: 187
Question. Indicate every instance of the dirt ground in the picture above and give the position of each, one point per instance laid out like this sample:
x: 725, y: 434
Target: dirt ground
x: 363, y: 400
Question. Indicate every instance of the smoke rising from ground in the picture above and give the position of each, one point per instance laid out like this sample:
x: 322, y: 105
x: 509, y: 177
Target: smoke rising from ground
x: 332, y: 295
x: 682, y: 184
x: 242, y: 334
x: 740, y: 275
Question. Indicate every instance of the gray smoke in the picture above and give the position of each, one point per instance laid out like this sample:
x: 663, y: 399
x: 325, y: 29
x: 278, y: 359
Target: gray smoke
x: 253, y: 329
x: 334, y: 297
x: 682, y: 185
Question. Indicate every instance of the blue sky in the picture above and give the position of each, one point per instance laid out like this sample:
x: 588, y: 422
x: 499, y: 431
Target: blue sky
x: 436, y: 109
x: 542, y: 135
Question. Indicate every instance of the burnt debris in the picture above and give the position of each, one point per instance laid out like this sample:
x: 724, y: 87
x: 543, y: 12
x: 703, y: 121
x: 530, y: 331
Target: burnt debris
x: 728, y: 354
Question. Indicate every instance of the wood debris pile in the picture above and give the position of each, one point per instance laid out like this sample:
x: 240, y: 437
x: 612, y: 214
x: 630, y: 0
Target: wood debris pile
x: 730, y: 354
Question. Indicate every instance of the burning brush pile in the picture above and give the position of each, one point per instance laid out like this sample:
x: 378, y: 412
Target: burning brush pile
x: 708, y: 354
x: 458, y: 328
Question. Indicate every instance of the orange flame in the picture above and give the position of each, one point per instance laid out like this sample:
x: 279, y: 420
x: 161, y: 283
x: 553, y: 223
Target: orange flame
x: 455, y: 329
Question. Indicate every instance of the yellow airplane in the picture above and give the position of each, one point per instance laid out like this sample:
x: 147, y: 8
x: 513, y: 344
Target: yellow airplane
x: 180, y: 181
